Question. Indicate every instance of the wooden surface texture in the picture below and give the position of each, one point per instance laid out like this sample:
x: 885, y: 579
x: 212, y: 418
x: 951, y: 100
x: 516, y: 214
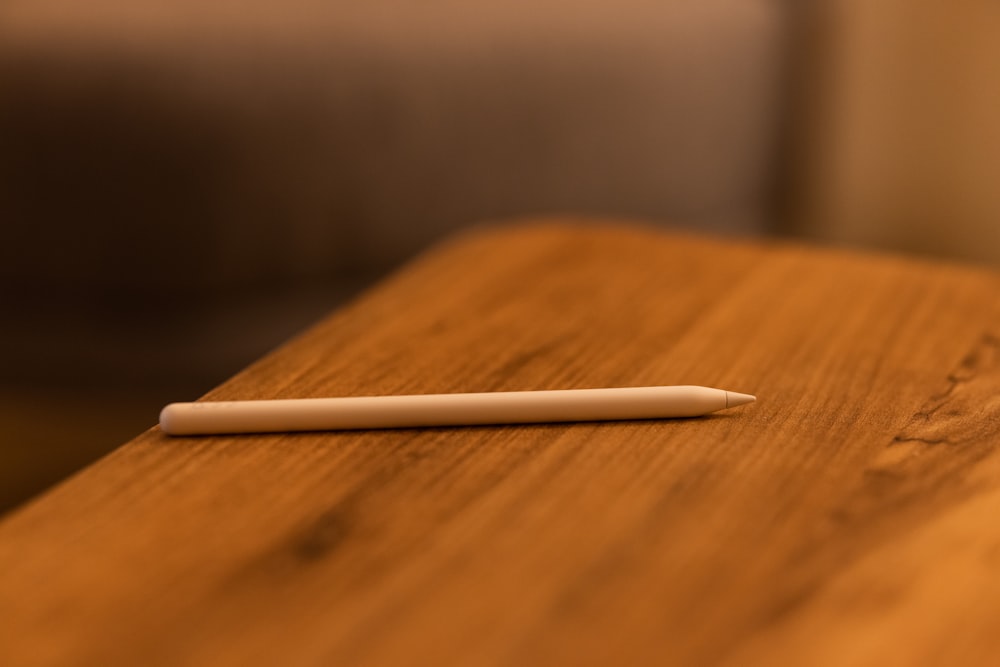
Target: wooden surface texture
x: 850, y: 516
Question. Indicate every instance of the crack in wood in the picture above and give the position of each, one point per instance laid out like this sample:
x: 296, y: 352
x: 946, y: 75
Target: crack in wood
x: 955, y: 416
x: 899, y: 439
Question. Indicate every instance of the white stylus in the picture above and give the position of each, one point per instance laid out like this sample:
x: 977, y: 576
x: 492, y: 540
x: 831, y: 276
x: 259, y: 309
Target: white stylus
x: 514, y: 407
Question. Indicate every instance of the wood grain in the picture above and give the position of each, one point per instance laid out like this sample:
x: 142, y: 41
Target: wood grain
x: 848, y: 517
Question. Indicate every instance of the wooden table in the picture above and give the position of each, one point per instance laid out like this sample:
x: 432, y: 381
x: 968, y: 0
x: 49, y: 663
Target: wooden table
x: 850, y: 516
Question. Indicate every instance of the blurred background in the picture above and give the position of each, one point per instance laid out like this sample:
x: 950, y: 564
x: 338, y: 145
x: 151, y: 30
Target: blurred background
x: 185, y: 184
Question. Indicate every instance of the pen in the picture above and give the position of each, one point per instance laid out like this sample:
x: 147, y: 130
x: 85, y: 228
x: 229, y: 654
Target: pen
x: 513, y: 407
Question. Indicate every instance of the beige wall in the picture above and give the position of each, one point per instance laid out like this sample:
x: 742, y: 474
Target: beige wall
x: 902, y: 143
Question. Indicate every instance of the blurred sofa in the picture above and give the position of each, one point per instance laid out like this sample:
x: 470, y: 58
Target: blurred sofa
x: 184, y: 183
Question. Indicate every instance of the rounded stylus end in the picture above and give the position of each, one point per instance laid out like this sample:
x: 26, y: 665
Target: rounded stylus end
x: 167, y: 415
